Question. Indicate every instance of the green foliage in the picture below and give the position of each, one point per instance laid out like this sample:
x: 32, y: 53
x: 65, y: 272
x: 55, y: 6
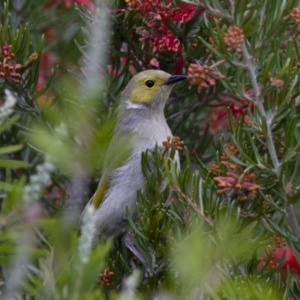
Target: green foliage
x: 208, y: 230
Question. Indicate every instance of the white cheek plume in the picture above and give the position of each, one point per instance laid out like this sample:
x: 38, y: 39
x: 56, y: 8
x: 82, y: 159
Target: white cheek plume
x: 130, y: 105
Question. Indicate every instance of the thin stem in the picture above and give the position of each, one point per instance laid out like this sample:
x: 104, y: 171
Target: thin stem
x: 231, y: 6
x: 238, y: 64
x: 220, y: 62
x: 258, y: 100
x: 220, y: 14
x: 193, y: 205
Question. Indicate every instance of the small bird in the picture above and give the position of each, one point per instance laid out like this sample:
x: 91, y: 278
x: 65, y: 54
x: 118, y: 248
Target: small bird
x: 140, y: 125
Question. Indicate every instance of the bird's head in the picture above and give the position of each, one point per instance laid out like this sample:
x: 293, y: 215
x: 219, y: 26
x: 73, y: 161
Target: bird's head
x: 149, y: 88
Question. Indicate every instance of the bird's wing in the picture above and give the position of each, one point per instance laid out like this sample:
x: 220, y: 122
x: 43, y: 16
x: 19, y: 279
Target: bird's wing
x: 100, y: 192
x: 119, y: 151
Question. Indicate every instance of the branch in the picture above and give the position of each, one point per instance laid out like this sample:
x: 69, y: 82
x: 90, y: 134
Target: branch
x: 193, y: 205
x: 258, y: 101
x: 220, y: 14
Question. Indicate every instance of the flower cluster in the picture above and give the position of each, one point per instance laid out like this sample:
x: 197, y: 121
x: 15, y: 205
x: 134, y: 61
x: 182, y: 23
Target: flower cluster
x: 9, y: 70
x: 288, y: 189
x: 157, y: 15
x: 160, y: 11
x: 202, y: 76
x: 48, y: 61
x: 163, y: 41
x: 248, y: 121
x: 88, y: 230
x: 235, y: 179
x: 281, y: 254
x: 175, y: 140
x: 231, y: 150
x: 295, y: 15
x: 186, y: 11
x: 167, y: 42
x: 38, y: 181
x: 277, y: 82
x: 217, y: 117
x: 234, y: 38
x: 278, y: 241
x: 241, y: 183
x: 105, y: 277
x: 7, y: 108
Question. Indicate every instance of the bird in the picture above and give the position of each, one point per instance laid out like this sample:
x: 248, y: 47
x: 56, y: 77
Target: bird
x: 140, y: 126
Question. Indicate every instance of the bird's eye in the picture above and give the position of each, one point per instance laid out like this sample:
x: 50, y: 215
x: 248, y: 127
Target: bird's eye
x: 149, y: 83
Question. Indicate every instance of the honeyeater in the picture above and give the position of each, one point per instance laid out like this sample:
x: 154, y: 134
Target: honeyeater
x: 140, y: 125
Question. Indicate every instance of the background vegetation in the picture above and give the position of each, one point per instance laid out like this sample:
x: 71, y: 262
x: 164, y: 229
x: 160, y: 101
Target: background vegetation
x: 227, y: 226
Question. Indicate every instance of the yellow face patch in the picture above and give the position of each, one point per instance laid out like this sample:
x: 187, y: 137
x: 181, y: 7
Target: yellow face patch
x: 145, y: 87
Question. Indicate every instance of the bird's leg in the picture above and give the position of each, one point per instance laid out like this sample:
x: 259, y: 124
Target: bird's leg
x: 129, y: 243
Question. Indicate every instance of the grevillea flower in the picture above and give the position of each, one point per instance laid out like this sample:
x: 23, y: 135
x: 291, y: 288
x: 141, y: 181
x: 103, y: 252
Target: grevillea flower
x: 186, y: 11
x: 235, y: 179
x: 167, y: 43
x: 164, y: 41
x: 163, y: 11
x: 9, y: 70
x: 217, y: 117
x: 179, y: 64
x: 157, y: 16
x: 47, y: 63
x: 295, y: 15
x: 202, y: 76
x: 234, y: 38
x: 105, y: 278
x: 242, y: 184
x: 282, y: 254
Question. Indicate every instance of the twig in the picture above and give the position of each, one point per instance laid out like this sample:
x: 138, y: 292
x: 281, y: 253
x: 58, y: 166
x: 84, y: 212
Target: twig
x: 231, y: 7
x: 193, y: 205
x: 185, y: 110
x: 238, y: 64
x: 258, y: 101
x: 220, y: 62
x: 220, y: 14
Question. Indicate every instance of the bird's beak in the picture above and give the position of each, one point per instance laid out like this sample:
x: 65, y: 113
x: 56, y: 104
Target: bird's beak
x: 174, y: 78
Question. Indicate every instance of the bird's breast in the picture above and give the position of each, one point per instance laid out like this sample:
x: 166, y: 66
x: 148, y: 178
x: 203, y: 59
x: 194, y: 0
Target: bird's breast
x: 152, y: 132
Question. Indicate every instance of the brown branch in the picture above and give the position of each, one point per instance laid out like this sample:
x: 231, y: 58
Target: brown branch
x: 193, y: 205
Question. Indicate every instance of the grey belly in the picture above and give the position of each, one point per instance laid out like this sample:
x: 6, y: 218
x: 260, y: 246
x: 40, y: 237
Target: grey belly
x: 125, y: 182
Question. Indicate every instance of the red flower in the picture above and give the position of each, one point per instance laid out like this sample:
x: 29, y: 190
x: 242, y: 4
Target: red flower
x: 162, y: 11
x: 285, y: 254
x: 5, y: 50
x: 238, y: 109
x: 185, y: 12
x: 217, y: 117
x: 9, y: 69
x: 166, y: 42
x: 47, y: 63
x: 179, y: 64
x: 243, y: 184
